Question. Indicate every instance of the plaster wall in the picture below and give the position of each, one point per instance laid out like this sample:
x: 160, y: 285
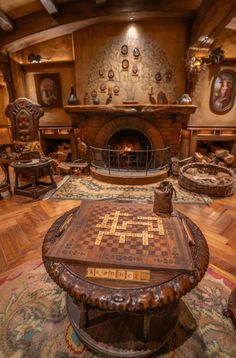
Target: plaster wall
x: 4, y: 100
x: 161, y: 50
x: 52, y: 116
x: 56, y: 51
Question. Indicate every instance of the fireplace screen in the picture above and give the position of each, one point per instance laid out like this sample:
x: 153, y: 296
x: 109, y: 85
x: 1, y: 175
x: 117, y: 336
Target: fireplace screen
x: 128, y: 149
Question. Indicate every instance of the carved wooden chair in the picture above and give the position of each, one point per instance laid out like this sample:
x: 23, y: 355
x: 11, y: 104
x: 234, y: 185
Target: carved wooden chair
x: 24, y: 116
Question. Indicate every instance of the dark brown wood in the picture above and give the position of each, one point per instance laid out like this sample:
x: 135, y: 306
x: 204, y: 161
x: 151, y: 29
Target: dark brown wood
x: 50, y: 6
x: 211, y: 19
x: 7, y: 76
x: 160, y: 298
x: 132, y: 335
x: 24, y: 107
x: 132, y: 109
x: 124, y: 235
x: 40, y: 26
x: 32, y: 169
x: 5, y: 23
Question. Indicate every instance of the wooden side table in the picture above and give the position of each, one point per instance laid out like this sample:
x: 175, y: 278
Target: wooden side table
x: 120, y: 318
x: 32, y: 169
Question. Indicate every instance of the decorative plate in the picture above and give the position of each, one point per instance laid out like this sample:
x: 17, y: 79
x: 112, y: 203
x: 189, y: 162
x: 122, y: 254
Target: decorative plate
x: 136, y: 52
x: 101, y: 72
x: 158, y: 76
x: 103, y: 87
x: 116, y: 90
x: 124, y: 50
x: 125, y: 64
x: 110, y: 74
x: 94, y: 94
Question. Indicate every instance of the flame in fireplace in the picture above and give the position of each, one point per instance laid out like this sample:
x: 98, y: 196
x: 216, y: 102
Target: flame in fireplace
x: 126, y: 149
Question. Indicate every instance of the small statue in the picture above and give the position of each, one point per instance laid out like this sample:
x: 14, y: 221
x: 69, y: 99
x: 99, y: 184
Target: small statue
x: 109, y: 99
x: 82, y: 148
x: 86, y: 98
x: 161, y: 98
x: 162, y: 198
x: 151, y: 98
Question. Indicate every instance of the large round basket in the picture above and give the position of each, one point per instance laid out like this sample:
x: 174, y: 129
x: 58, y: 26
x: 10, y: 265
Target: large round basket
x: 188, y: 182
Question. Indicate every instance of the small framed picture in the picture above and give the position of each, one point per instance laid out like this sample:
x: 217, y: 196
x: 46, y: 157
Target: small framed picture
x: 223, y: 92
x: 48, y: 89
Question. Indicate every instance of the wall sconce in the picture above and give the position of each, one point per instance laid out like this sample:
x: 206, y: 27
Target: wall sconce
x: 33, y: 58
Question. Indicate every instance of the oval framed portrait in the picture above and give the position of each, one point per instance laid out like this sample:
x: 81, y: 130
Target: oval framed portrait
x: 223, y: 92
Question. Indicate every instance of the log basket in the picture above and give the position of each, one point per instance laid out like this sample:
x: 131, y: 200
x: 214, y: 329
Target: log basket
x: 210, y: 189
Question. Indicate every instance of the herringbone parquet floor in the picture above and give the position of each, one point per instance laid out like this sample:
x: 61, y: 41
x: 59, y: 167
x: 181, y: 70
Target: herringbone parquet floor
x: 24, y: 223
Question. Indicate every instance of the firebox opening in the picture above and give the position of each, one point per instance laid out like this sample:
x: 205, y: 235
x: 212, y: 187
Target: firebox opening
x: 129, y: 138
x: 129, y: 149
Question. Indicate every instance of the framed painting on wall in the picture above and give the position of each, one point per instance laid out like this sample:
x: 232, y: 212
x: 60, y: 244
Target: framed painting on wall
x: 223, y: 92
x: 48, y: 89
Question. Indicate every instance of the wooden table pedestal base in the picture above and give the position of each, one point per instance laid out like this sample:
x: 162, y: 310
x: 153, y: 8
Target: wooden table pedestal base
x: 122, y: 334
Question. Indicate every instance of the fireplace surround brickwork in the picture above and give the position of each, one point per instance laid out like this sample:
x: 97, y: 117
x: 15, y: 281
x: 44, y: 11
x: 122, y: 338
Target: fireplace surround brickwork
x: 160, y: 124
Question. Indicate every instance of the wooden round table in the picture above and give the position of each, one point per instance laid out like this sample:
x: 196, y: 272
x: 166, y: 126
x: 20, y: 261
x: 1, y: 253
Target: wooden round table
x: 121, y: 318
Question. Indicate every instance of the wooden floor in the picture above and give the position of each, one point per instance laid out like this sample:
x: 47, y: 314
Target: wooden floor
x: 24, y: 222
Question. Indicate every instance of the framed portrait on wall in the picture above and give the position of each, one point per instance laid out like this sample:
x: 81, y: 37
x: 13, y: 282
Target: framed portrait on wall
x: 223, y: 92
x: 48, y: 89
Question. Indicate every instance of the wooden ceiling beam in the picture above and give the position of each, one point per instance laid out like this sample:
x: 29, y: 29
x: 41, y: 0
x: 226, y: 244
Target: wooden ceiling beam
x: 212, y: 17
x: 50, y: 6
x: 5, y: 23
x: 40, y: 26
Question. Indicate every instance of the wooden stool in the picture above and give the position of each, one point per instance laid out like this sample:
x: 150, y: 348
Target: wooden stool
x: 32, y: 168
x: 79, y: 167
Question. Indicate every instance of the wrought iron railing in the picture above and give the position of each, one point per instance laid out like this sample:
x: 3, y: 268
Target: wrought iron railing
x: 130, y: 160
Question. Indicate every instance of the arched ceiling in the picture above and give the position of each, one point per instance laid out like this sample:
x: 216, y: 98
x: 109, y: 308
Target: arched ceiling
x: 26, y: 22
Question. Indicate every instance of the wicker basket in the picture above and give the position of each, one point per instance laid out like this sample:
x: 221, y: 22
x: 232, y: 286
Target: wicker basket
x: 210, y: 189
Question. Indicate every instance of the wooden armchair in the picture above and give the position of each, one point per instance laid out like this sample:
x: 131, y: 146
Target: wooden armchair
x: 24, y: 138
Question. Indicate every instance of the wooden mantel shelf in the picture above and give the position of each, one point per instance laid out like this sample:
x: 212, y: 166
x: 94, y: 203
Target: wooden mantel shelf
x: 132, y: 109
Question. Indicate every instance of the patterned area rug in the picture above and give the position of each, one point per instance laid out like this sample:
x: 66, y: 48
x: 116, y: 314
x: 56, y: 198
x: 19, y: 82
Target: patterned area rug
x: 81, y: 188
x: 34, y: 323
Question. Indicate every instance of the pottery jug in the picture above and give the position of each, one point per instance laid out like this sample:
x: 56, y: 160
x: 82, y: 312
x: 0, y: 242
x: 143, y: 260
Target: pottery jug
x: 72, y: 100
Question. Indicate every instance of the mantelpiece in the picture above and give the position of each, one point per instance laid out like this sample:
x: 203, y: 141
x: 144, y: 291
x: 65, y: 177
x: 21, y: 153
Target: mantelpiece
x: 132, y: 109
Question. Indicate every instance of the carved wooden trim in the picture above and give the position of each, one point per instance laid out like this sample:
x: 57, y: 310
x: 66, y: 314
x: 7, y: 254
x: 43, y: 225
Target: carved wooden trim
x: 151, y: 298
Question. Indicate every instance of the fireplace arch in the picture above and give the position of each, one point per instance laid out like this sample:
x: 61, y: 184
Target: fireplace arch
x: 128, y: 123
